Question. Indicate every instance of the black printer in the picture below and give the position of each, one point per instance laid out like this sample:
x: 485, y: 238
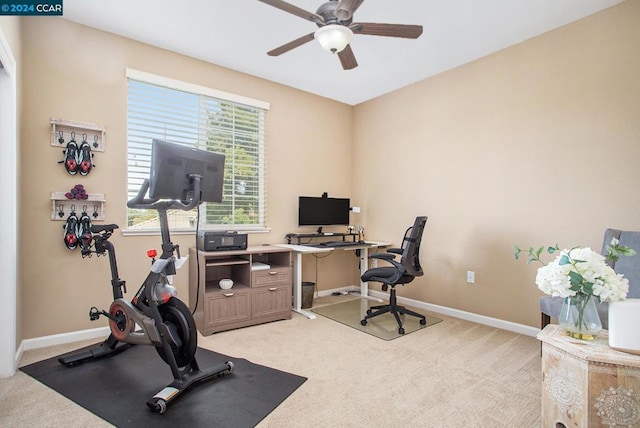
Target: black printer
x: 221, y: 241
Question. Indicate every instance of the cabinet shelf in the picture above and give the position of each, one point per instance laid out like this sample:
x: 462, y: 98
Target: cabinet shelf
x: 213, y: 286
x: 226, y: 261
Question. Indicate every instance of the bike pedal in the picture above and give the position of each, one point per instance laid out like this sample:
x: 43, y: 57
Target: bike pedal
x: 94, y: 314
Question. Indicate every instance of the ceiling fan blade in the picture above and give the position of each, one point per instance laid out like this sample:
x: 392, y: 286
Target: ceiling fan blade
x: 292, y: 44
x: 347, y: 58
x: 295, y: 10
x: 346, y: 8
x: 387, y: 30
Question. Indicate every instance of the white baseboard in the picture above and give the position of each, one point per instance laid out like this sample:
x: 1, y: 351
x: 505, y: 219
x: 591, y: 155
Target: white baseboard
x: 468, y: 316
x: 64, y: 338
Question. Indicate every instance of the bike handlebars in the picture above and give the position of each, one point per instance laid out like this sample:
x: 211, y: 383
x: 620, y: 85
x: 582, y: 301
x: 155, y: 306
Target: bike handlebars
x: 140, y: 202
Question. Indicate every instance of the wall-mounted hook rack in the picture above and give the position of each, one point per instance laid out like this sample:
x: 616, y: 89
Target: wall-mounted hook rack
x: 61, y: 206
x: 93, y: 133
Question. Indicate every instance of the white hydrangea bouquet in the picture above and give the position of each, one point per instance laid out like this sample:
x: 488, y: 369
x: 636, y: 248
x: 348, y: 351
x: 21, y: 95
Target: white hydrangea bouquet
x: 580, y: 270
x: 577, y: 275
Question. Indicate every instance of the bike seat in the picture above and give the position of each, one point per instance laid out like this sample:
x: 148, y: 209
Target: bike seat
x: 97, y: 228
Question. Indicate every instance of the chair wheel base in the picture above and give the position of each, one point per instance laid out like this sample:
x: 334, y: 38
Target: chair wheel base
x: 363, y: 322
x: 423, y: 322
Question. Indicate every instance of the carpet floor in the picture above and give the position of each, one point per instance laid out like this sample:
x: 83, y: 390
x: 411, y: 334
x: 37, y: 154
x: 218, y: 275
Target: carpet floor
x: 453, y: 374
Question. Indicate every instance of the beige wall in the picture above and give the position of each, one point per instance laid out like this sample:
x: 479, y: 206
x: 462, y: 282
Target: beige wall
x: 77, y: 73
x: 535, y: 145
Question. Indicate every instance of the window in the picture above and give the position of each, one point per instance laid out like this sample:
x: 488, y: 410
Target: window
x: 187, y: 114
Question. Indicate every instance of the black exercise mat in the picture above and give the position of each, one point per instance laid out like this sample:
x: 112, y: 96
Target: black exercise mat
x: 117, y: 388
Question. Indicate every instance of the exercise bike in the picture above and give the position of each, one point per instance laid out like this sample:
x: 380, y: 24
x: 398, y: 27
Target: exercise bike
x: 165, y: 322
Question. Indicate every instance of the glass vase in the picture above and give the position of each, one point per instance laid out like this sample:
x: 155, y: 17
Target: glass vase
x: 579, y: 317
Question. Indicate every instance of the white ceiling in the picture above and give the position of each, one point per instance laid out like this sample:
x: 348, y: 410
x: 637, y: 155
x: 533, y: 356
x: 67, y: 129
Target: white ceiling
x: 237, y: 34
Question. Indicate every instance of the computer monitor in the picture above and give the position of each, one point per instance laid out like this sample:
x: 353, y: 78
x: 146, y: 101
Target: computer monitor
x: 173, y: 167
x: 323, y: 211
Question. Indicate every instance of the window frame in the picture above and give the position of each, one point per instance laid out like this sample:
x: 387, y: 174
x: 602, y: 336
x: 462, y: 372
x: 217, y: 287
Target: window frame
x: 223, y: 97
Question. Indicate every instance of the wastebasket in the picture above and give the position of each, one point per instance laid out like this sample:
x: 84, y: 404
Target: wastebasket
x: 307, y: 294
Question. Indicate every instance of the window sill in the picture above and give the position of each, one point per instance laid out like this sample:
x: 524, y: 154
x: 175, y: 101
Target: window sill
x: 153, y: 232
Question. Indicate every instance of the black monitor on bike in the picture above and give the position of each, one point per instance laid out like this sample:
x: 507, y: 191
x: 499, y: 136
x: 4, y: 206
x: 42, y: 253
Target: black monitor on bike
x: 173, y: 167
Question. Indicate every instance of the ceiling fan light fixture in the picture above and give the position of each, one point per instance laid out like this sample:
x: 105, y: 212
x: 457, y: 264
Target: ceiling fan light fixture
x: 333, y: 37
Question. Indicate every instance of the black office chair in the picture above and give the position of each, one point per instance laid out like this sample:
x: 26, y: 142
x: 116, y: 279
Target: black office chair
x: 402, y: 272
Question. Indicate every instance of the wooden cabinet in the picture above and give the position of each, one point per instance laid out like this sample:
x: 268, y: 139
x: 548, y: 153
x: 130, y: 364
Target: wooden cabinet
x: 261, y: 292
x: 587, y: 383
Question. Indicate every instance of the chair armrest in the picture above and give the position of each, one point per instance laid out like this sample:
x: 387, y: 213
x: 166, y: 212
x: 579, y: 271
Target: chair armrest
x: 383, y: 256
x: 394, y: 250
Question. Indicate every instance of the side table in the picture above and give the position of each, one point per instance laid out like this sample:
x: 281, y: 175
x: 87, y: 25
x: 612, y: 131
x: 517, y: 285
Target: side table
x: 587, y: 383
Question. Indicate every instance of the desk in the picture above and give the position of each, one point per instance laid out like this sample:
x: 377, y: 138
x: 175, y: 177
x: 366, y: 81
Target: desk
x: 587, y: 383
x: 300, y: 250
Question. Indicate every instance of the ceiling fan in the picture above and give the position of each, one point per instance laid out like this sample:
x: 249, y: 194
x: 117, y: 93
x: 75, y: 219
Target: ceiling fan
x: 336, y: 28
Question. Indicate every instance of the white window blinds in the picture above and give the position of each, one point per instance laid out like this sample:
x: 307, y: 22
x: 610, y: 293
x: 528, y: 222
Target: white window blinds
x: 160, y: 109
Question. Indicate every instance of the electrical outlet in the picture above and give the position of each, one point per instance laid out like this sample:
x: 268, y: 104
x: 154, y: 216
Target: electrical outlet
x: 471, y: 277
x: 374, y: 263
